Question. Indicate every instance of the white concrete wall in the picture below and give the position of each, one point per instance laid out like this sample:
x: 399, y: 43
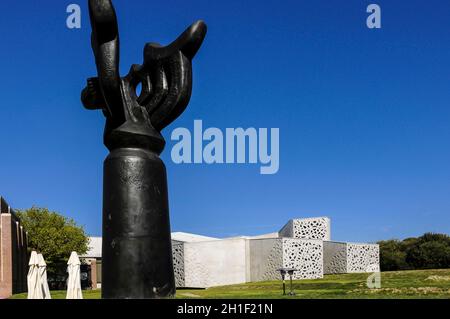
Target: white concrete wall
x: 215, y: 263
x: 334, y: 257
x: 266, y: 257
x: 287, y: 230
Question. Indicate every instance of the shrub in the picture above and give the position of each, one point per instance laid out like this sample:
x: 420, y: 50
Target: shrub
x: 430, y: 251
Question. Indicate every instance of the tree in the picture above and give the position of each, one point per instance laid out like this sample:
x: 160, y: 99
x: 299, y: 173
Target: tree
x: 430, y: 251
x: 392, y: 255
x: 53, y: 235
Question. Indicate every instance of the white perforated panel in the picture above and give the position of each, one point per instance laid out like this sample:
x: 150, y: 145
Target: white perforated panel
x: 363, y: 258
x: 178, y: 262
x: 307, y: 228
x: 304, y: 255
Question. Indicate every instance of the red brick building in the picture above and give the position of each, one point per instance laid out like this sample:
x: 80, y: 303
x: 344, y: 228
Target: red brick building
x: 13, y: 253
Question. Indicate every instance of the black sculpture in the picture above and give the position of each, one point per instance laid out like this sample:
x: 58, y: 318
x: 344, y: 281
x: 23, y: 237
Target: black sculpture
x: 137, y: 251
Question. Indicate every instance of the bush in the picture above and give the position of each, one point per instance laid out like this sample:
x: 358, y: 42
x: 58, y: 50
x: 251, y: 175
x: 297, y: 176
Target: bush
x: 392, y: 255
x: 430, y: 251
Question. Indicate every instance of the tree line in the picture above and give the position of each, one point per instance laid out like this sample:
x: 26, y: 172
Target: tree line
x: 429, y: 251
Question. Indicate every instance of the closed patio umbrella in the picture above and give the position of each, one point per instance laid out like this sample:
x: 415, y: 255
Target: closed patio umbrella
x: 74, y: 281
x: 43, y: 277
x: 33, y: 278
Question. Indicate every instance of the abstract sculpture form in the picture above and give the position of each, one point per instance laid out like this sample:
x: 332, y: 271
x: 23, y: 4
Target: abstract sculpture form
x: 136, y: 252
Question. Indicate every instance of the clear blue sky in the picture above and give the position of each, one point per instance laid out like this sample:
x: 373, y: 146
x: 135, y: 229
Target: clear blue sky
x: 364, y: 115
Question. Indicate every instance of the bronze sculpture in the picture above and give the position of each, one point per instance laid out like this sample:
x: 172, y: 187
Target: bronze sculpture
x: 136, y: 252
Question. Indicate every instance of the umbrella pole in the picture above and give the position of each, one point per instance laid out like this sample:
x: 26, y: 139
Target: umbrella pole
x: 137, y: 249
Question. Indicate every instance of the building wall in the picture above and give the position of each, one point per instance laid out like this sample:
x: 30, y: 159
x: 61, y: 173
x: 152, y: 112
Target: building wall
x: 178, y: 262
x: 287, y: 230
x: 341, y: 258
x: 13, y: 253
x: 92, y: 262
x: 304, y: 255
x: 363, y: 258
x: 307, y: 228
x: 99, y: 273
x: 267, y: 256
x: 215, y: 263
x: 334, y: 257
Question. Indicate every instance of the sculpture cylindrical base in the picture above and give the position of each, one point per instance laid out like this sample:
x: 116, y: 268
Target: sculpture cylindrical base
x: 137, y: 249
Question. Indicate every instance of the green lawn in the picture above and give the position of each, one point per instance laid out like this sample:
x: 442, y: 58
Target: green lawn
x: 398, y: 284
x: 61, y: 294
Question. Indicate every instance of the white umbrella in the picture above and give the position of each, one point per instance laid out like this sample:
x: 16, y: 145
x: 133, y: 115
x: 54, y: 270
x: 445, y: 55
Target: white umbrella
x: 33, y: 278
x: 43, y: 277
x: 74, y: 281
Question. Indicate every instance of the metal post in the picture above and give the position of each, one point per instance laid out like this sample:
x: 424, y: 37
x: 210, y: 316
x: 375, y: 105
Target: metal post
x: 292, y: 291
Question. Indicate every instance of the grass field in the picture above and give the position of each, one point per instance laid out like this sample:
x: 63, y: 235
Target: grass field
x: 399, y: 284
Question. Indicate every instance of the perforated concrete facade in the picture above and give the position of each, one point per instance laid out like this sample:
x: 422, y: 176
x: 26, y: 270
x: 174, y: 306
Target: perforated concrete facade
x: 305, y: 255
x: 340, y: 258
x: 267, y: 256
x: 178, y: 262
x: 307, y: 228
x: 363, y: 258
x: 303, y: 244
